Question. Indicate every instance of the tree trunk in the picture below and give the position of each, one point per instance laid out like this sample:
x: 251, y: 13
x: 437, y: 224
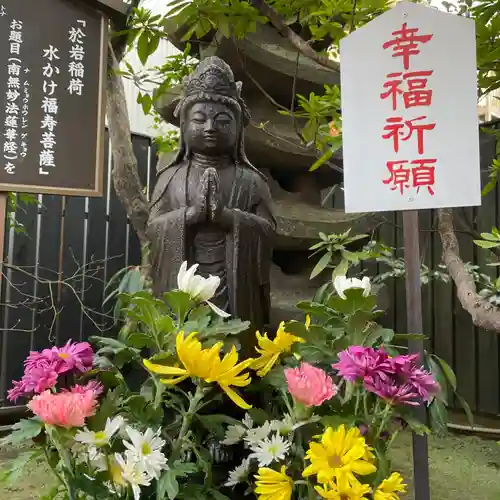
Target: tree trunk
x: 125, y: 173
x: 484, y: 314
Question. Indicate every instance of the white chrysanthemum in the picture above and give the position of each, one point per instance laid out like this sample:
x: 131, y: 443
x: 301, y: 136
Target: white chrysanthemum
x: 270, y: 450
x: 146, y: 449
x: 288, y: 424
x: 256, y: 435
x: 247, y: 421
x: 97, y: 459
x: 234, y: 434
x: 199, y: 288
x: 100, y: 438
x: 285, y: 426
x: 79, y: 453
x: 341, y: 284
x: 132, y: 473
x: 239, y: 474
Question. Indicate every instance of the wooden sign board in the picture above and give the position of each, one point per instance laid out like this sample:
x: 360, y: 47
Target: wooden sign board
x: 52, y: 82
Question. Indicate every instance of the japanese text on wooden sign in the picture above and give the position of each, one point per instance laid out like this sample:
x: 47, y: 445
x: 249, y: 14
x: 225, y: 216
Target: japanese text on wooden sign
x: 53, y: 56
x: 410, y: 128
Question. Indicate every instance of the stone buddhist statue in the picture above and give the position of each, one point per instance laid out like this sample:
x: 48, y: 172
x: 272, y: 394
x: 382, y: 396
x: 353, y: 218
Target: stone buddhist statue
x: 211, y: 206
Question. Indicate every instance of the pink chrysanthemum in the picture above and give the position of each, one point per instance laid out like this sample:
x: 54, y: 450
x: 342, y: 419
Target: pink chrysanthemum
x: 357, y: 362
x: 96, y: 387
x: 309, y: 385
x: 65, y: 409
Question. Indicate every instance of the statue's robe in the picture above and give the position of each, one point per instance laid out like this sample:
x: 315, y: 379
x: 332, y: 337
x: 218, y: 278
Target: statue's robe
x: 248, y: 244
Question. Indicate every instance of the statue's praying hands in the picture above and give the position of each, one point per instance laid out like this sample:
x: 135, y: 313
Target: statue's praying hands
x: 211, y: 206
x: 198, y: 211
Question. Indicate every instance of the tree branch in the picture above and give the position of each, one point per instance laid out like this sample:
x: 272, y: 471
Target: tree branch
x: 298, y: 42
x: 484, y: 314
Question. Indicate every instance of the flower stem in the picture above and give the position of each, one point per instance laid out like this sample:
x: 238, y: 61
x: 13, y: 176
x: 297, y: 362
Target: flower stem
x: 391, y: 440
x: 186, y: 420
x: 385, y: 417
x: 365, y: 406
x: 358, y: 397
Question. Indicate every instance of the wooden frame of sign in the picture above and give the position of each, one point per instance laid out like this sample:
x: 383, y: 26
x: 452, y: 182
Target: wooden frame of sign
x: 54, y: 60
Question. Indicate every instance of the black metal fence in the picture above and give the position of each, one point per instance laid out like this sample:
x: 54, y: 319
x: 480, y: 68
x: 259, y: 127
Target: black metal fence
x: 83, y: 242
x: 90, y: 239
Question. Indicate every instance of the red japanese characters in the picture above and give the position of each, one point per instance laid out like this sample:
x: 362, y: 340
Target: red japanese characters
x: 404, y: 91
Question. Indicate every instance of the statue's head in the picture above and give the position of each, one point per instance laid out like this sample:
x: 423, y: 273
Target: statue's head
x: 212, y: 112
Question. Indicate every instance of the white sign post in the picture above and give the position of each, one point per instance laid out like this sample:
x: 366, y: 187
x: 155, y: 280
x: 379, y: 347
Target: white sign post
x: 409, y: 112
x: 410, y: 136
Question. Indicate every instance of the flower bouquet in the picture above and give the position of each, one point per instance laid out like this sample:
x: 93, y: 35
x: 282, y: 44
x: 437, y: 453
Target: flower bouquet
x: 311, y: 415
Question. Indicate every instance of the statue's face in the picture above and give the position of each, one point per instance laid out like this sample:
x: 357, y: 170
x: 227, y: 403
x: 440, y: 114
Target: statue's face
x: 211, y: 128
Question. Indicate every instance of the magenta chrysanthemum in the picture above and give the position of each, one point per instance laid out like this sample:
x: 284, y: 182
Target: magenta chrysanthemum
x: 357, y: 362
x: 397, y: 379
x: 41, y: 369
x: 74, y: 356
x: 392, y: 392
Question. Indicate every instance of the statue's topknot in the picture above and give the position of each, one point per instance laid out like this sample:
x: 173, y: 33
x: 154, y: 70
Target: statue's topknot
x: 213, y: 80
x: 213, y: 75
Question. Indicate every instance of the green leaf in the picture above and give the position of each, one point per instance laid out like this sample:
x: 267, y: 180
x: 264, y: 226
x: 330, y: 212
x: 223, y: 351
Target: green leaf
x: 154, y: 42
x: 23, y: 430
x: 324, y: 158
x: 258, y: 415
x: 341, y: 269
x: 448, y: 372
x: 336, y: 420
x: 180, y: 302
x: 410, y: 336
x: 140, y: 340
x: 438, y: 417
x: 415, y: 425
x: 216, y: 495
x: 224, y: 328
x: 465, y: 406
x: 213, y: 423
x: 276, y: 378
x: 143, y: 47
x: 167, y: 484
x: 379, y: 333
x: 18, y: 465
x: 489, y: 237
x: 486, y: 244
x: 223, y: 27
x: 321, y: 265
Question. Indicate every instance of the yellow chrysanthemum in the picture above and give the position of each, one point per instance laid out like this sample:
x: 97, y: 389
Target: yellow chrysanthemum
x: 340, y: 455
x: 344, y: 490
x: 308, y: 321
x: 389, y: 488
x: 270, y: 350
x: 273, y: 485
x: 207, y: 365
